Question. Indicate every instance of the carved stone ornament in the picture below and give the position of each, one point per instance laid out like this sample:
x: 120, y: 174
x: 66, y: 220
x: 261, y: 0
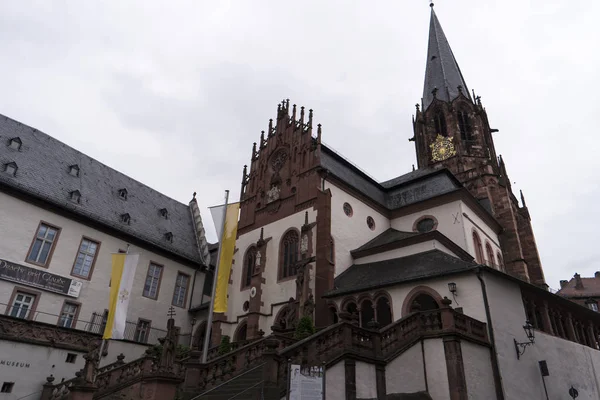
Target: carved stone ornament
x: 304, y: 244
x: 257, y: 262
x: 278, y: 160
x: 273, y: 194
x: 309, y: 306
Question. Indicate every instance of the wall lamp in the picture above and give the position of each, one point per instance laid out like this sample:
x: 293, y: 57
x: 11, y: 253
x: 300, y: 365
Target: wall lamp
x: 520, y: 347
x: 452, y: 289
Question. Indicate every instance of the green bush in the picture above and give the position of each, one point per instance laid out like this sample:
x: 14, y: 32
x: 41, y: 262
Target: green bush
x: 225, y: 346
x: 156, y: 350
x: 305, y: 328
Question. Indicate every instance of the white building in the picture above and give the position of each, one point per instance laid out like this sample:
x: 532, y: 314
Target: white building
x: 62, y: 215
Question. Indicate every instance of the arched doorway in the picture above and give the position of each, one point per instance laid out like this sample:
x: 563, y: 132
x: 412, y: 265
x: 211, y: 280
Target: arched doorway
x: 241, y: 333
x: 333, y: 315
x: 199, y: 336
x: 384, y: 311
x: 367, y: 313
x: 423, y: 302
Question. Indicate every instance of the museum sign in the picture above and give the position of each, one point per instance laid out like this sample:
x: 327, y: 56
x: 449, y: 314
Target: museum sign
x: 39, y: 279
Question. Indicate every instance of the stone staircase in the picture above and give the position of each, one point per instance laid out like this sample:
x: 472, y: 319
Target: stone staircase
x: 246, y: 386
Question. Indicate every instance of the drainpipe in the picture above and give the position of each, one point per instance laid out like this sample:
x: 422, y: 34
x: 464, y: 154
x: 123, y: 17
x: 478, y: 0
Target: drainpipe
x: 494, y: 353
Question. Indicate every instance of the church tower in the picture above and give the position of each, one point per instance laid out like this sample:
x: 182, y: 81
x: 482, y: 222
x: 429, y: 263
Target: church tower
x: 451, y: 130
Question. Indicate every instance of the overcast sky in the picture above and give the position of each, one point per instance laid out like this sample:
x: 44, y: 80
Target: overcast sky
x: 174, y: 93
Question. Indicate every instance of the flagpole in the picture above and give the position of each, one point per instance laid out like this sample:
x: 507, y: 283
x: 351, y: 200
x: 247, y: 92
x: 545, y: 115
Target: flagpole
x: 214, y: 287
x: 105, y: 341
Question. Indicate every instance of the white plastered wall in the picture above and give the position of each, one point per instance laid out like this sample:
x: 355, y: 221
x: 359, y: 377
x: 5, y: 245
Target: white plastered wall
x: 478, y: 370
x: 349, y: 233
x: 437, y: 372
x: 273, y: 291
x: 472, y: 222
x: 366, y: 381
x: 569, y: 363
x: 406, y: 373
x: 335, y: 382
x: 19, y: 221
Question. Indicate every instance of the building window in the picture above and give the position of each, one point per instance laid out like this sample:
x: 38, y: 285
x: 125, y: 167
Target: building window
x: 71, y: 358
x: 348, y: 209
x: 74, y: 170
x: 371, y: 223
x: 68, y: 315
x: 22, y: 305
x: 249, y: 264
x: 123, y: 194
x: 142, y: 330
x: 125, y: 218
x: 86, y: 258
x: 169, y: 237
x: 490, y: 255
x: 241, y: 333
x: 164, y: 213
x: 180, y: 293
x: 440, y: 124
x: 7, y: 387
x: 592, y: 304
x: 464, y: 125
x: 425, y: 224
x: 478, y: 248
x: 15, y: 143
x: 367, y: 313
x: 75, y: 196
x: 289, y: 254
x: 384, y: 311
x: 500, y: 262
x: 43, y: 245
x: 153, y: 278
x: 11, y: 168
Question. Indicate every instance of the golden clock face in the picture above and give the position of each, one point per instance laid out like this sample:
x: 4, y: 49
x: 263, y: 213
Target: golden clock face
x: 442, y: 148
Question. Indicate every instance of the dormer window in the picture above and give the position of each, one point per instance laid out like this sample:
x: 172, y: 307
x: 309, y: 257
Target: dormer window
x: 75, y: 196
x: 11, y: 168
x: 15, y: 143
x: 164, y: 213
x: 125, y: 218
x: 123, y: 194
x: 74, y: 170
x: 592, y: 304
x: 169, y: 236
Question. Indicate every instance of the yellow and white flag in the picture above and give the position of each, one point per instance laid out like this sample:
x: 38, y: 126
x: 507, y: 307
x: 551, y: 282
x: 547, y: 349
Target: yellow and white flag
x: 227, y: 247
x: 123, y: 273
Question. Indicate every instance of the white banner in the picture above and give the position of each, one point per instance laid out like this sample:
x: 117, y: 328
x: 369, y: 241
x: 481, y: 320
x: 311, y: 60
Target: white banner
x: 306, y: 383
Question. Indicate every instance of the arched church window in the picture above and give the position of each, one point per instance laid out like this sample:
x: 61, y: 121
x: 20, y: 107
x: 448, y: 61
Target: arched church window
x: 464, y: 125
x: 490, y: 255
x: 500, y: 262
x: 249, y: 264
x: 351, y: 308
x: 333, y: 315
x: 367, y: 313
x: 384, y: 311
x: 440, y: 124
x: 289, y: 254
x: 478, y: 248
x: 423, y: 302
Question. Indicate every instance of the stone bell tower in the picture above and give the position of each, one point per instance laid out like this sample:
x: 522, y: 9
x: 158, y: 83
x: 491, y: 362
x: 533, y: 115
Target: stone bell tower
x: 451, y: 130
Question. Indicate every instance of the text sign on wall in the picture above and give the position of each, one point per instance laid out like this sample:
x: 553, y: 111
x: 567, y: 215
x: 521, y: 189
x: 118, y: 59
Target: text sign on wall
x: 39, y: 279
x: 306, y: 383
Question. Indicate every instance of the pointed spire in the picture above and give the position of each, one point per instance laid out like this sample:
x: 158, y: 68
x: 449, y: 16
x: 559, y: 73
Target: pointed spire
x: 442, y: 71
x: 523, y: 199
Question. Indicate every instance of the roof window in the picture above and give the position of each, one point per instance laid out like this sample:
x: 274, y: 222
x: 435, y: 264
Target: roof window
x: 123, y: 194
x: 164, y: 213
x: 125, y: 218
x: 75, y: 196
x: 15, y: 143
x: 74, y: 170
x: 11, y: 168
x: 169, y: 236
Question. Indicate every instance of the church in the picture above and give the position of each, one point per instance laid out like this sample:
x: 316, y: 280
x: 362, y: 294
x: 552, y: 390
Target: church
x: 440, y: 264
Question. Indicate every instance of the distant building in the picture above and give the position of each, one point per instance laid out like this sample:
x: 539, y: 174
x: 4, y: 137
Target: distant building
x: 584, y: 291
x: 62, y: 214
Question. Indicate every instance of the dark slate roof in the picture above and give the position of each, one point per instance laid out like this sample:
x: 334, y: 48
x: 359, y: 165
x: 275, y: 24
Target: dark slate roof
x: 43, y: 172
x: 360, y: 277
x: 442, y: 71
x: 389, y: 236
x: 401, y: 191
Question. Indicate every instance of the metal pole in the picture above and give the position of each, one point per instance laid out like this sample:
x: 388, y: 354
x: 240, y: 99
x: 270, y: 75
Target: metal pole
x: 214, y: 288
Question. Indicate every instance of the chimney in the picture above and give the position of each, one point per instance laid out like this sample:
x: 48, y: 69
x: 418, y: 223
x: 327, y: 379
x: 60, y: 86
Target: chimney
x: 563, y: 284
x: 578, y: 283
x: 597, y: 274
